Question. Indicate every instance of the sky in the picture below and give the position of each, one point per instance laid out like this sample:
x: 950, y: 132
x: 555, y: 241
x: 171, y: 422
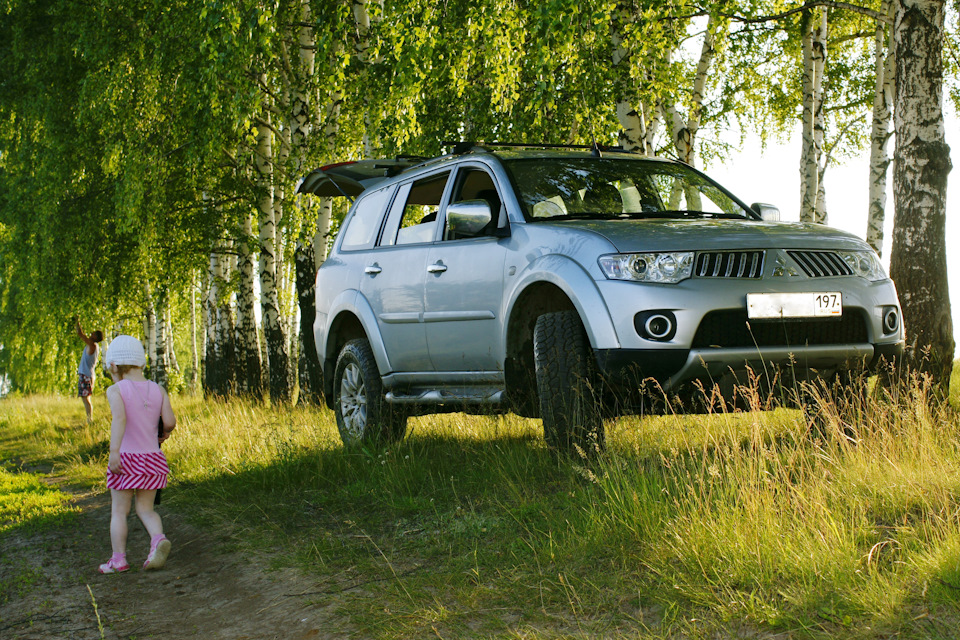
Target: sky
x: 772, y: 175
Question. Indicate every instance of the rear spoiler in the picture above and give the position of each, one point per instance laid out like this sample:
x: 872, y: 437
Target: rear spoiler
x: 350, y: 179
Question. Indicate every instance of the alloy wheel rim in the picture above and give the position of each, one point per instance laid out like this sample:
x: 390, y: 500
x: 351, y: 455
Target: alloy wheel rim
x: 353, y: 400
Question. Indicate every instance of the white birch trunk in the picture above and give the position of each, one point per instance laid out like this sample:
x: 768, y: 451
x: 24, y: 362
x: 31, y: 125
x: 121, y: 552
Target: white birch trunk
x: 194, y: 350
x: 918, y: 262
x: 651, y: 129
x: 632, y: 133
x: 363, y: 20
x: 880, y: 133
x: 248, y: 340
x: 632, y: 130
x: 150, y: 325
x: 808, y: 161
x: 269, y: 296
x: 310, y: 254
x: 213, y: 363
x: 171, y: 352
x: 819, y: 128
x: 300, y: 120
x: 226, y: 328
x: 159, y: 354
x: 331, y: 130
x: 684, y: 130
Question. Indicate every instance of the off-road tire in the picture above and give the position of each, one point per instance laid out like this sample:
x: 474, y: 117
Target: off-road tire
x: 566, y: 374
x: 364, y: 417
x: 836, y: 408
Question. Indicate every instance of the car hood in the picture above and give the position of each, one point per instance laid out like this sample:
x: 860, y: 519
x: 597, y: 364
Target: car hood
x: 704, y: 235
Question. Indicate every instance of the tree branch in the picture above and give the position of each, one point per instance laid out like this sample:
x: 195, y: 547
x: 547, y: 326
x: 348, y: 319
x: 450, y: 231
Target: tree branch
x: 833, y: 4
x: 843, y: 132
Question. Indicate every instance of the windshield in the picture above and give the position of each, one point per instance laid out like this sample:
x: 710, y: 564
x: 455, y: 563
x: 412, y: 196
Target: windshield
x: 616, y: 188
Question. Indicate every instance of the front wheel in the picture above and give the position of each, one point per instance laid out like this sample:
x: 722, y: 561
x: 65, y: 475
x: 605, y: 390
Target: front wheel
x: 363, y: 414
x: 839, y: 407
x: 566, y: 376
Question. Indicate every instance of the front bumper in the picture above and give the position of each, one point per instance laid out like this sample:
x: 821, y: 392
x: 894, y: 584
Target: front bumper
x: 672, y: 368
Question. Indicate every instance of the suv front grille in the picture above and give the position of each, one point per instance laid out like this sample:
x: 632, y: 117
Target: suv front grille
x: 821, y: 264
x: 729, y: 264
x: 729, y: 329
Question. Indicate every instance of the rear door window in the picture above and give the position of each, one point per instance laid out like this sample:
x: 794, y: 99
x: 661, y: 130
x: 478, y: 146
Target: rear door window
x: 362, y: 228
x: 413, y: 219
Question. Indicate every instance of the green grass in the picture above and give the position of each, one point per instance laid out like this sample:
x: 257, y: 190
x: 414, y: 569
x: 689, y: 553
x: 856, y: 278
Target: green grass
x: 28, y: 505
x: 685, y: 527
x: 27, y: 501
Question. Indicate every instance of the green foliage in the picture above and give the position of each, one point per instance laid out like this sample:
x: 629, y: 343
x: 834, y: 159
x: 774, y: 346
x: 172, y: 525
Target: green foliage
x: 128, y: 129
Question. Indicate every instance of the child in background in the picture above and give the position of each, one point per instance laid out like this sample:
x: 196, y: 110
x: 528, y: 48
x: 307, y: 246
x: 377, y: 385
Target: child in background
x: 85, y: 371
x: 137, y: 466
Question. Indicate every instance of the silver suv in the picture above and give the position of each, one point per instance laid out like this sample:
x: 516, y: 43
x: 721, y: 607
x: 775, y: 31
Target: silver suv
x: 576, y: 284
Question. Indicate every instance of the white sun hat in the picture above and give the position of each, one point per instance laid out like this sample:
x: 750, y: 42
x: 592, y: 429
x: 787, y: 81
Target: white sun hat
x: 125, y: 350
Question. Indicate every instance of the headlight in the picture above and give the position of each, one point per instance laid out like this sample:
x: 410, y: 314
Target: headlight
x: 865, y: 264
x: 648, y: 267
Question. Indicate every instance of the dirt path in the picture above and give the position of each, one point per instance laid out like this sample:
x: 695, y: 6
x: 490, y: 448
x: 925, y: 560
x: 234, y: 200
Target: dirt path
x: 201, y: 593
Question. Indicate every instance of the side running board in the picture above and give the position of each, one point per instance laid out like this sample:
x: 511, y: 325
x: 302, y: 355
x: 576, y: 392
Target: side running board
x: 482, y: 396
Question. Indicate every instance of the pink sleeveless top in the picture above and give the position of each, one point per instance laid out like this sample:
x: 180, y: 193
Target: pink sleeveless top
x: 143, y: 464
x: 142, y: 401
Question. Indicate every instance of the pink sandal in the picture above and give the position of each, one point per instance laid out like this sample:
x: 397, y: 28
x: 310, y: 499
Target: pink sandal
x: 159, y: 550
x: 114, y: 565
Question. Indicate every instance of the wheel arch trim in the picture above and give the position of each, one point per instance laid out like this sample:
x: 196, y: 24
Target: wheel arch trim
x: 579, y: 287
x: 354, y: 303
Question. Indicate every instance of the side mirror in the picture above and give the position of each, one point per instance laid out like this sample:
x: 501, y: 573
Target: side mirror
x: 467, y: 218
x: 767, y: 212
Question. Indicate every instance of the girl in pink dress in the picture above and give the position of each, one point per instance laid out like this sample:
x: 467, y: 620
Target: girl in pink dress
x: 137, y: 466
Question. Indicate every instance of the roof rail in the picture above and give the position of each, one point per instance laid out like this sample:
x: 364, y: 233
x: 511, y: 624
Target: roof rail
x: 462, y: 147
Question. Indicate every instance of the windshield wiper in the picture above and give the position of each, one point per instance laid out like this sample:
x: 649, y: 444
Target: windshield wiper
x: 578, y: 216
x: 689, y: 213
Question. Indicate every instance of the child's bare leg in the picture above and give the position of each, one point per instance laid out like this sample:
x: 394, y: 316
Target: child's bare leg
x: 149, y: 517
x: 159, y: 545
x: 119, y: 511
x: 88, y: 407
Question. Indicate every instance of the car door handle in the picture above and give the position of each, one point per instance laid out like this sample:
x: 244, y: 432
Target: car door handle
x: 372, y: 270
x: 438, y: 267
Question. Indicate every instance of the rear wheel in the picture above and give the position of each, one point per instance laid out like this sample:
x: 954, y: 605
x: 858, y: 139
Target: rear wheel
x: 566, y: 375
x: 363, y: 415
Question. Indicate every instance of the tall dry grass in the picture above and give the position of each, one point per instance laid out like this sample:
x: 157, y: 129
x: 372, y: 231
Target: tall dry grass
x: 842, y: 520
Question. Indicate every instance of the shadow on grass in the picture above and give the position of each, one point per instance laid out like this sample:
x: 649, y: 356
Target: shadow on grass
x: 451, y: 521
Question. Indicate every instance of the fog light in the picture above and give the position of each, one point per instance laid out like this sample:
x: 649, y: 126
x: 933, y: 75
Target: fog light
x: 891, y: 320
x: 656, y: 325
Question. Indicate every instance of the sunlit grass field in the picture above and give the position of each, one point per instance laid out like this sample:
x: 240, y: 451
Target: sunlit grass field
x: 686, y: 526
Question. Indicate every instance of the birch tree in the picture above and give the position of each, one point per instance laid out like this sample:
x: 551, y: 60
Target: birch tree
x: 278, y: 362
x: 250, y: 368
x: 880, y: 130
x: 160, y: 355
x: 819, y: 157
x: 918, y: 262
x: 813, y: 28
x: 219, y: 357
x: 638, y: 115
x: 683, y: 130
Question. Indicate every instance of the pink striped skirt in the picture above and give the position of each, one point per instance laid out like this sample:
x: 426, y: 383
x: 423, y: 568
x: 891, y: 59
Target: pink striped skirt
x: 140, y: 471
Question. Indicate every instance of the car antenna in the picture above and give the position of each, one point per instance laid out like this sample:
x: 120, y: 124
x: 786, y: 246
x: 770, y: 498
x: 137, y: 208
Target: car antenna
x: 595, y: 149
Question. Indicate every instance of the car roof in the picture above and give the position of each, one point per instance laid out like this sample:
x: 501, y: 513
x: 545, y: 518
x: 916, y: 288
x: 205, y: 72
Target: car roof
x: 350, y: 179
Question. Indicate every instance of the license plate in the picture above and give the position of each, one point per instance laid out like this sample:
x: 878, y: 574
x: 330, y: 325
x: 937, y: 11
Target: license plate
x: 820, y: 304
